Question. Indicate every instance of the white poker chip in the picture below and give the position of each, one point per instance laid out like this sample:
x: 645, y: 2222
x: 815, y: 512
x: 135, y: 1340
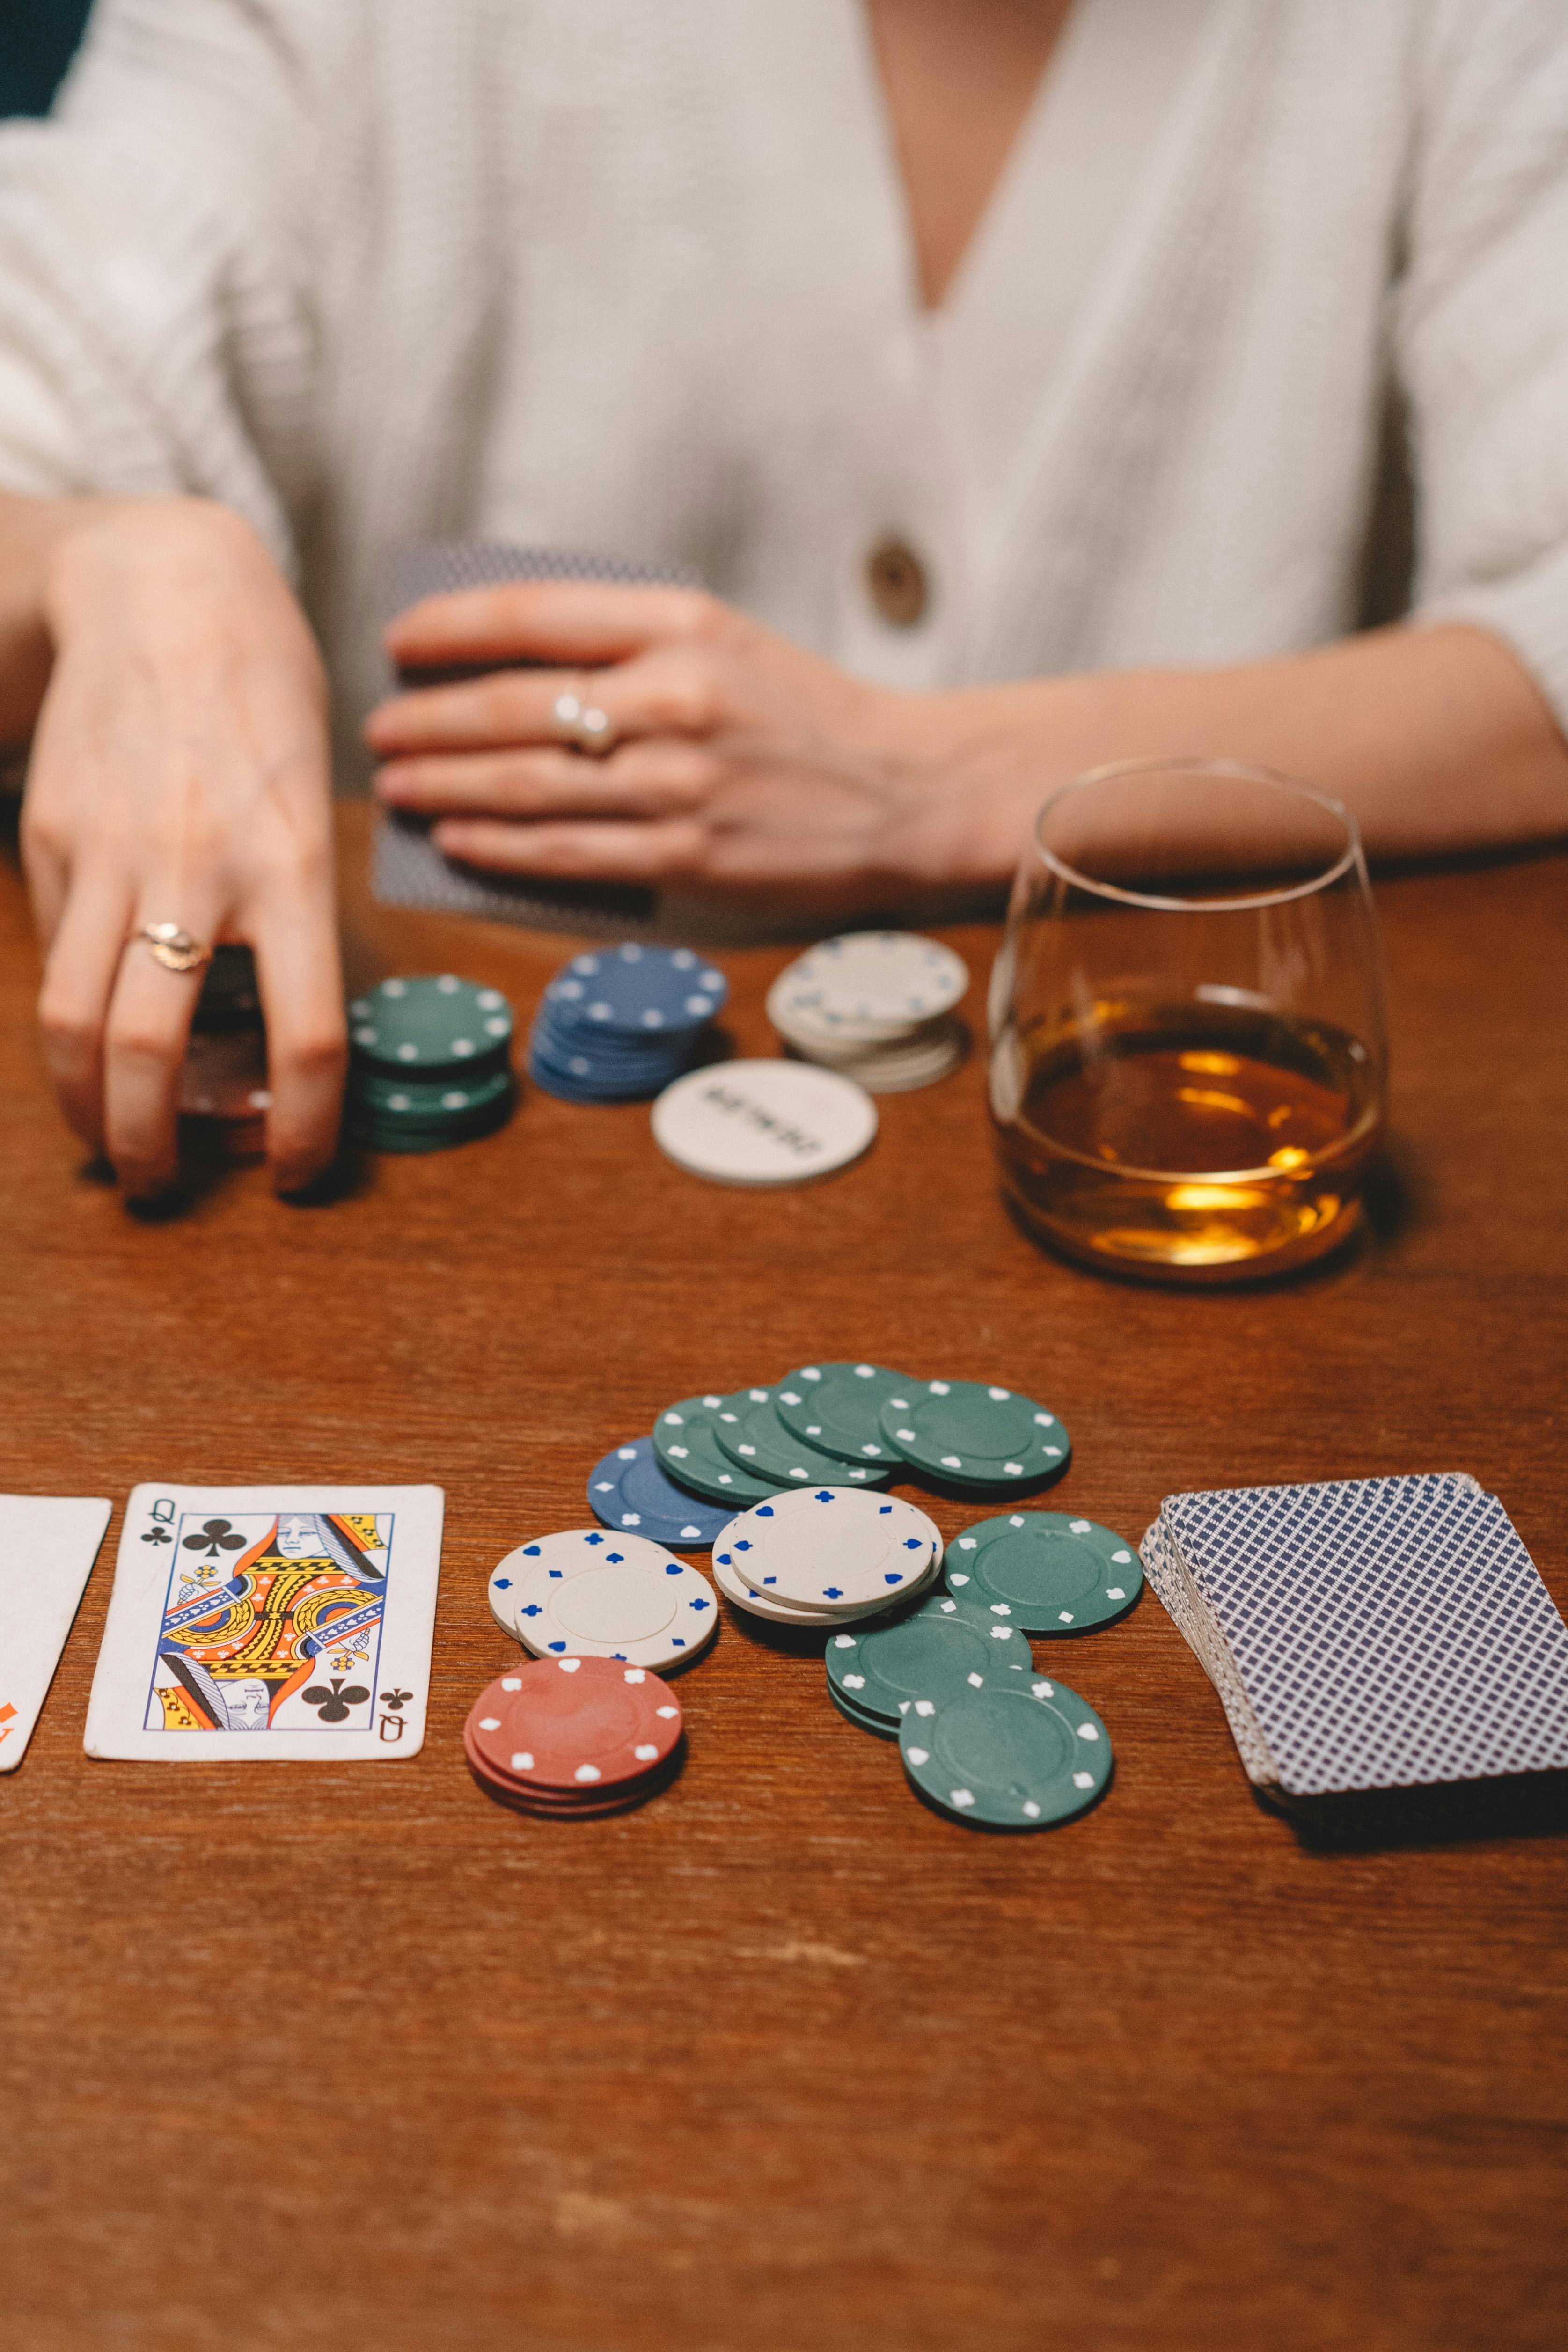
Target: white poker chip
x: 875, y: 1006
x: 736, y: 1589
x: 763, y: 1123
x: 833, y: 1548
x: 593, y: 1592
x: 871, y: 984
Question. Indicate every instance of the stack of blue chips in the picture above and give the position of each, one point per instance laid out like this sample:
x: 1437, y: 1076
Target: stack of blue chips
x: 619, y: 1025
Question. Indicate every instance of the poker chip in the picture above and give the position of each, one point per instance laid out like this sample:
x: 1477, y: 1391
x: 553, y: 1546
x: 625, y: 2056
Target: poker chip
x: 429, y: 1064
x: 877, y: 1726
x: 688, y: 1452
x: 827, y: 1549
x: 1007, y: 1758
x: 224, y: 1094
x: 877, y: 1006
x: 627, y: 1489
x: 1053, y: 1573
x: 837, y: 1408
x: 583, y: 1592
x: 934, y: 1651
x: 617, y: 1025
x: 763, y: 1123
x: 574, y: 1738
x: 749, y: 1431
x: 735, y: 1589
x: 971, y: 1434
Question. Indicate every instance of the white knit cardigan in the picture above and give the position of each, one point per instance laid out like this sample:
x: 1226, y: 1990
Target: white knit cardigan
x: 635, y: 276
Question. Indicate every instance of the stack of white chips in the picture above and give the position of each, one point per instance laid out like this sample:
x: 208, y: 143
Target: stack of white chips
x: 876, y: 1005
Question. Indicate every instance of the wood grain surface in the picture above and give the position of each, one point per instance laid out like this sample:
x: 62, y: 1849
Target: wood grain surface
x: 314, y: 2056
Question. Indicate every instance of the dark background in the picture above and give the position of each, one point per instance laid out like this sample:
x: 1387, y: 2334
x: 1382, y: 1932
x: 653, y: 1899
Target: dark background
x: 37, y: 41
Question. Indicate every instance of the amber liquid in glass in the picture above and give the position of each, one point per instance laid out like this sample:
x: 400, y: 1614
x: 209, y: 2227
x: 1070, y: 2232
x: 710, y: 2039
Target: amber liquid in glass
x: 1199, y: 1141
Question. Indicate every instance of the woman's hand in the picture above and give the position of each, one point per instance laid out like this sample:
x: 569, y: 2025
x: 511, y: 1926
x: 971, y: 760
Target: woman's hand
x: 180, y: 773
x: 741, y: 766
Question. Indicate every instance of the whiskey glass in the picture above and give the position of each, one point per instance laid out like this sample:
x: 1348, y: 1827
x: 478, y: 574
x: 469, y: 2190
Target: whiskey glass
x: 1189, y: 1057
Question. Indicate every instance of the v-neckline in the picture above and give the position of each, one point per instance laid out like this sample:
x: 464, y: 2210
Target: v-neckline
x: 990, y: 354
x: 876, y: 104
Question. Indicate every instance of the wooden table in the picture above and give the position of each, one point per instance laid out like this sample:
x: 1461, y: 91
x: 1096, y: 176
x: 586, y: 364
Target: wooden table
x: 333, y: 2056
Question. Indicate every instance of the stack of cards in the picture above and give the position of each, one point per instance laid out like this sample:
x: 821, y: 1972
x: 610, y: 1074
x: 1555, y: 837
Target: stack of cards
x: 409, y: 870
x: 254, y: 1622
x: 47, y: 1545
x: 1371, y: 1633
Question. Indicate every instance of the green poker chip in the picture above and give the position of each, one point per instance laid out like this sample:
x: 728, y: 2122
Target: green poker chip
x: 424, y: 1025
x: 1008, y: 1758
x: 877, y: 1726
x: 972, y: 1434
x: 690, y: 1453
x: 1053, y: 1573
x: 937, y: 1650
x: 837, y: 1407
x: 749, y: 1431
x: 435, y: 1102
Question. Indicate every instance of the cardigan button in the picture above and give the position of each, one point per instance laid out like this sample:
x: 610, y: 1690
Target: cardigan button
x: 896, y: 578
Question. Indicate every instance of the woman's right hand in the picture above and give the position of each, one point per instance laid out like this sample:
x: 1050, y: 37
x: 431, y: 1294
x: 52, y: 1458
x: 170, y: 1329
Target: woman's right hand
x: 180, y: 773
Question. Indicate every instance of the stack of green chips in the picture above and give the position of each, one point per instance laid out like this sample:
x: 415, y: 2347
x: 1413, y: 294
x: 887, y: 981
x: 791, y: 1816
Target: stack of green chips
x: 430, y: 1064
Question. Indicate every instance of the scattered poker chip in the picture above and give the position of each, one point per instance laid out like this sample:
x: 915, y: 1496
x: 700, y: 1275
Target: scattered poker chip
x: 748, y: 1429
x: 972, y: 1434
x: 1055, y: 1574
x: 627, y: 1489
x: 1007, y: 1758
x: 429, y: 1065
x: 837, y: 1408
x: 573, y: 1735
x: 877, y: 1726
x: 876, y: 1005
x: 832, y: 1548
x: 935, y: 1652
x: 586, y: 1592
x: 688, y: 1452
x: 617, y: 1025
x: 763, y: 1123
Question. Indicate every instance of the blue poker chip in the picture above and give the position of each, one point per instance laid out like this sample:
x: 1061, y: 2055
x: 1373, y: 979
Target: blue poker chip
x: 619, y: 1025
x: 637, y: 992
x: 630, y: 1490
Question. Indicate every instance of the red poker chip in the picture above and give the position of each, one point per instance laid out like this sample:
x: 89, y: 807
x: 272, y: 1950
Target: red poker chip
x: 575, y: 1726
x: 570, y: 1805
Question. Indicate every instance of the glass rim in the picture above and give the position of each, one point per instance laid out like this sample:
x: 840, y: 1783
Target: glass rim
x: 1240, y: 771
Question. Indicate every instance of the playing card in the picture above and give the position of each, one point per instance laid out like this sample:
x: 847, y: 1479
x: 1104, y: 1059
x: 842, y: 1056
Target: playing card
x: 47, y: 1545
x: 288, y: 1622
x: 408, y: 869
x: 1368, y: 1633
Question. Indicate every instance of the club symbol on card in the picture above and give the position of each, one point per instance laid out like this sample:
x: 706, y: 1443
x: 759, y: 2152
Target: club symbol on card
x: 395, y: 1699
x: 163, y: 1512
x: 216, y: 1535
x: 333, y: 1705
x: 157, y: 1536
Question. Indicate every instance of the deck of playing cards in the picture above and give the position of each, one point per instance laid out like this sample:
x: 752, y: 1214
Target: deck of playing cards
x: 269, y: 1621
x: 1374, y: 1633
x: 408, y: 869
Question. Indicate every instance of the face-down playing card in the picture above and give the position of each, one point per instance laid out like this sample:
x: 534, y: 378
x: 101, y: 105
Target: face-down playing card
x: 286, y: 1621
x: 47, y: 1545
x: 408, y: 868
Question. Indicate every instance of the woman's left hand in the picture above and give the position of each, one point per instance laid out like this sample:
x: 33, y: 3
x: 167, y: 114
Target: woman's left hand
x: 740, y: 766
